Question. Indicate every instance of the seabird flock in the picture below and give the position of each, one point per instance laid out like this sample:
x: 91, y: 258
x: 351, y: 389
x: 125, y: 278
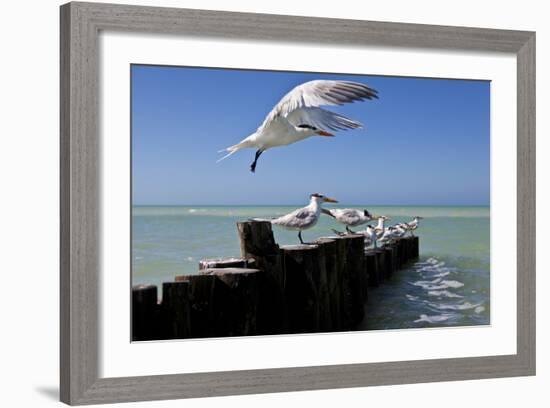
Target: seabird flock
x: 307, y: 217
x: 297, y: 117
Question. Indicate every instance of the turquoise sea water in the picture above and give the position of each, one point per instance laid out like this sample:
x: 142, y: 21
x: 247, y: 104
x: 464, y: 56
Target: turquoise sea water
x: 448, y: 286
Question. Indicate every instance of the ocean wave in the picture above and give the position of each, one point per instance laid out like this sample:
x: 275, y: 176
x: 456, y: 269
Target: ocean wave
x: 438, y: 284
x: 460, y: 306
x: 434, y: 319
x: 444, y: 293
x: 479, y: 309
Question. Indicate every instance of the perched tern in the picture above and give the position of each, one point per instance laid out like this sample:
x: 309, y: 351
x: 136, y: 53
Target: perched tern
x: 369, y: 233
x: 349, y: 217
x: 400, y: 230
x: 380, y: 226
x: 302, y: 218
x: 371, y: 236
x: 298, y: 116
x: 413, y: 225
x: 389, y: 234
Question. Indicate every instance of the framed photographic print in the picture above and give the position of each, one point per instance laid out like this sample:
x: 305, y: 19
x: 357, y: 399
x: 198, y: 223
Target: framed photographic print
x: 237, y: 183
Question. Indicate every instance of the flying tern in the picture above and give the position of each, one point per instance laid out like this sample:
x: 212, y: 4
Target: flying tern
x: 298, y: 116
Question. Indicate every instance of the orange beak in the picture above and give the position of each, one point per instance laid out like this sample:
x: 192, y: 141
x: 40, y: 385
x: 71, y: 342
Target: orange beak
x: 323, y: 133
x: 330, y: 200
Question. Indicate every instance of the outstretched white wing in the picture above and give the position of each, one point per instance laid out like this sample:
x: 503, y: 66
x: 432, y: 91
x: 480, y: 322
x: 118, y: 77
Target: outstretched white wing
x: 303, y: 103
x: 321, y: 119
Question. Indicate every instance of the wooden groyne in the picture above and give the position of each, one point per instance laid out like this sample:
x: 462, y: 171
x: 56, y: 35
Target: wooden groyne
x: 270, y: 289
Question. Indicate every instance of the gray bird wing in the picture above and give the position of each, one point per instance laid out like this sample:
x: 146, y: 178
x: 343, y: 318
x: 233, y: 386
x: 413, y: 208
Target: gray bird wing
x: 317, y: 93
x: 298, y: 219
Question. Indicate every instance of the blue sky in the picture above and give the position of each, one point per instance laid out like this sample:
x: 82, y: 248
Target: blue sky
x: 424, y: 142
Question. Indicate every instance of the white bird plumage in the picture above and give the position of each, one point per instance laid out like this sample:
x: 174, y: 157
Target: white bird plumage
x: 350, y: 217
x: 298, y: 116
x: 302, y: 218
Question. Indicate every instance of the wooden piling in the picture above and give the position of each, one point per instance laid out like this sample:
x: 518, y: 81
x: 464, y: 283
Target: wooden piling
x: 234, y: 301
x: 390, y: 259
x: 144, y: 313
x: 380, y: 264
x: 371, y: 268
x: 354, y: 279
x: 223, y: 302
x: 334, y: 254
x: 320, y: 287
x: 175, y: 310
x: 200, y: 301
x: 257, y: 242
x: 229, y: 262
x: 304, y: 267
x: 416, y: 247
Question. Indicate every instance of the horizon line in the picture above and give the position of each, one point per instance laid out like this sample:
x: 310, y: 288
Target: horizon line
x: 302, y: 203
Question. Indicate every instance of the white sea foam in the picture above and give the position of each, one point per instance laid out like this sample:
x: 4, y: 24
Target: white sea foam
x: 461, y: 306
x: 442, y: 274
x: 452, y: 284
x: 438, y: 284
x: 411, y: 297
x: 443, y: 293
x: 433, y: 319
x: 479, y: 309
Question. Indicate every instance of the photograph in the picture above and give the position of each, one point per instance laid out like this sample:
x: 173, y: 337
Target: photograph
x: 279, y: 203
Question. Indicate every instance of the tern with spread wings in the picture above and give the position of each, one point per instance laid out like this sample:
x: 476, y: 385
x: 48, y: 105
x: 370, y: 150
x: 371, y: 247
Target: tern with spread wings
x: 298, y: 116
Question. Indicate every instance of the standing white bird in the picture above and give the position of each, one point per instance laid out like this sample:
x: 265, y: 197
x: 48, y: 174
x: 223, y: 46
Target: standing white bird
x: 389, y: 235
x: 302, y: 218
x: 371, y: 236
x: 350, y: 217
x: 400, y: 230
x: 297, y: 116
x: 413, y: 225
x: 380, y: 226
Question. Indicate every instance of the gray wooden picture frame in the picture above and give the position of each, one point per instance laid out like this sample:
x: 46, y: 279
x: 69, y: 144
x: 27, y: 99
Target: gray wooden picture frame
x: 81, y: 24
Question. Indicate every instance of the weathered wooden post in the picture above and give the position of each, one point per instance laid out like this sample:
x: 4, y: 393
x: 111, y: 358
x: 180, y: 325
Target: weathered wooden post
x: 371, y: 267
x: 175, y: 310
x: 145, y: 313
x: 200, y: 291
x: 381, y: 264
x: 389, y: 258
x: 230, y: 262
x: 223, y: 302
x: 406, y: 250
x: 258, y: 243
x: 402, y: 245
x: 355, y: 278
x: 416, y: 247
x: 234, y: 302
x: 304, y: 265
x: 334, y: 264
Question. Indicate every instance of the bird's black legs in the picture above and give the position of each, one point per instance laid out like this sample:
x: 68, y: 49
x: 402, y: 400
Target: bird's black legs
x: 253, y: 165
x: 350, y: 231
x: 300, y: 237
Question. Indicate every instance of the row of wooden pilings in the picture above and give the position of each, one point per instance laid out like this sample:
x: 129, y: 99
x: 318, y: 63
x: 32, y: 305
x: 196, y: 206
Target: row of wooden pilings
x: 271, y: 289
